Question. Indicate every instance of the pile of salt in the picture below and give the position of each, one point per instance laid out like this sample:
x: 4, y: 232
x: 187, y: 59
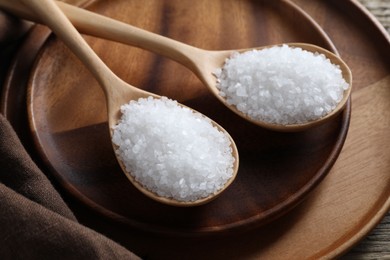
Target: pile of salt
x: 281, y: 84
x: 171, y: 150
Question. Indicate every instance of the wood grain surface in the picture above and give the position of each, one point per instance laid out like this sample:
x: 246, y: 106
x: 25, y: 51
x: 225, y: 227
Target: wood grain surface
x: 377, y: 244
x: 277, y: 170
x: 353, y: 197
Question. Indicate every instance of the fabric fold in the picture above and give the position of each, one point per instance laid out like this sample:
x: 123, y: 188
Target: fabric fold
x: 35, y: 222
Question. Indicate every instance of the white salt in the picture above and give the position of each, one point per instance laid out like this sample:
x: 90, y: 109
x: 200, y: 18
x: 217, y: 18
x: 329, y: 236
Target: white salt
x: 281, y: 85
x: 171, y: 150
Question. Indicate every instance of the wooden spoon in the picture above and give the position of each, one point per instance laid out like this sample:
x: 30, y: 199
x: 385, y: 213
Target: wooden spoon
x: 116, y: 90
x: 202, y: 62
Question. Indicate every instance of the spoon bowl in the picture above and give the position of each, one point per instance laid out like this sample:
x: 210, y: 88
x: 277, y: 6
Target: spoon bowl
x: 202, y: 62
x: 207, y: 62
x: 117, y: 92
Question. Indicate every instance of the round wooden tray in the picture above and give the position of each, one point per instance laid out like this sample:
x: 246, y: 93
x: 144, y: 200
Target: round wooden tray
x: 68, y: 117
x: 350, y: 200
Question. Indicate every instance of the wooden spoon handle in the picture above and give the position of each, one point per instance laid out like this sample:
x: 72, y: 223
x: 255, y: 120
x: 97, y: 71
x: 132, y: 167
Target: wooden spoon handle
x: 52, y: 16
x: 104, y: 27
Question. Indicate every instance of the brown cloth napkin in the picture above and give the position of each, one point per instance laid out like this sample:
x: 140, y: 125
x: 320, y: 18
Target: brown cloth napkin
x: 35, y: 222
